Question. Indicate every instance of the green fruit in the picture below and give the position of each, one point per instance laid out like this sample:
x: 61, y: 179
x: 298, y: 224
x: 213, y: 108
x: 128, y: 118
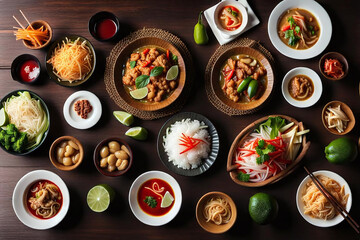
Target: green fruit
x: 252, y: 88
x: 139, y: 93
x: 263, y: 208
x: 200, y: 35
x: 341, y: 150
x: 244, y: 84
x: 138, y: 133
x: 125, y: 118
x: 172, y: 73
x: 4, y: 118
x: 99, y: 197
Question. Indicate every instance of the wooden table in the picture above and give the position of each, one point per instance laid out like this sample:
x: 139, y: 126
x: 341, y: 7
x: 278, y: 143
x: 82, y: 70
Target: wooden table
x: 178, y: 17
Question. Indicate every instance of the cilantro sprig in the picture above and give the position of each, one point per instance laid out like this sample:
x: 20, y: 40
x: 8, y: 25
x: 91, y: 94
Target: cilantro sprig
x: 150, y: 201
x: 263, y: 151
x: 244, y: 177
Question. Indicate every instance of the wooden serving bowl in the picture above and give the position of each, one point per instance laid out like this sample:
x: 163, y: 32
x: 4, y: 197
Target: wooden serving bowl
x: 346, y: 109
x: 120, y: 66
x: 52, y: 153
x: 37, y: 24
x: 334, y: 55
x: 232, y: 168
x: 215, y: 78
x: 210, y: 226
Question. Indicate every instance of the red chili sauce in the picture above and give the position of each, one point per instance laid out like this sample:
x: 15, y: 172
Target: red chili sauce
x: 161, y: 187
x: 29, y: 71
x: 32, y: 193
x: 105, y: 29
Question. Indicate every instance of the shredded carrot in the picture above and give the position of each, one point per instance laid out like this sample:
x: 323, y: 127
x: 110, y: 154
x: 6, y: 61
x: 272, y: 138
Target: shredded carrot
x: 37, y: 37
x: 333, y: 68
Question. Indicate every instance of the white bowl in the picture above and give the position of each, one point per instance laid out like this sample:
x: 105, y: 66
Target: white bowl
x: 19, y: 198
x: 317, y: 87
x: 320, y: 14
x: 140, y: 214
x: 242, y: 10
x: 319, y: 222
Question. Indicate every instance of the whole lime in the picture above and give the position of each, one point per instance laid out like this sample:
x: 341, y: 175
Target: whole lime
x: 263, y: 208
x: 342, y: 150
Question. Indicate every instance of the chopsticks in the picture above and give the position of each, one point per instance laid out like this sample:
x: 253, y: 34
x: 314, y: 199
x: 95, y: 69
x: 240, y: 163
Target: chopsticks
x: 333, y: 201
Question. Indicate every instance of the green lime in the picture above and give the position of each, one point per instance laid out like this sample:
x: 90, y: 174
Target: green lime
x: 172, y: 73
x: 341, y: 150
x: 139, y: 93
x: 138, y: 133
x: 99, y: 197
x: 263, y: 208
x: 125, y: 118
x: 4, y: 118
x: 167, y: 200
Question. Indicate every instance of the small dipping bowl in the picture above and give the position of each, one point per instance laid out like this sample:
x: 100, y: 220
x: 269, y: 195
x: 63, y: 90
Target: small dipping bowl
x: 38, y: 24
x: 26, y: 69
x: 104, y: 26
x: 53, y: 153
x: 334, y: 55
x: 348, y: 112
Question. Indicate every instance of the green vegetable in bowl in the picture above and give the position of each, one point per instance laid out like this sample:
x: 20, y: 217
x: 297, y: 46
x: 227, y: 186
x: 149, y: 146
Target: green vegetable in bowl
x: 12, y: 139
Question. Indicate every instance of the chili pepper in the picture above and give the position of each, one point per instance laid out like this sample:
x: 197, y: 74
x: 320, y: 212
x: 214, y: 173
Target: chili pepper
x: 168, y: 54
x: 146, y: 64
x: 285, y: 27
x: 189, y: 142
x: 151, y: 67
x: 228, y: 77
x: 146, y: 50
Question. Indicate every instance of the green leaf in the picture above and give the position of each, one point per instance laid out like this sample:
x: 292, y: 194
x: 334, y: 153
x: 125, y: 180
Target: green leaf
x: 235, y: 14
x: 291, y: 21
x: 132, y: 64
x: 142, y: 81
x: 174, y: 58
x: 293, y: 40
x: 262, y: 159
x: 229, y: 10
x: 243, y: 177
x: 261, y: 143
x: 273, y: 123
x: 297, y: 29
x: 289, y: 33
x: 272, y: 148
x: 156, y: 71
x: 150, y: 201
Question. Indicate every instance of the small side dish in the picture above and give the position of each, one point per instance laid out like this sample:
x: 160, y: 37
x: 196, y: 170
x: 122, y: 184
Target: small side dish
x: 104, y: 26
x: 338, y: 118
x: 114, y: 156
x: 217, y: 210
x: 26, y: 69
x: 230, y: 18
x: 301, y: 87
x: 82, y: 108
x: 333, y: 66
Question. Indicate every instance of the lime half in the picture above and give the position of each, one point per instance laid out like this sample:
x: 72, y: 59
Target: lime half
x: 167, y: 200
x: 99, y: 197
x: 125, y: 118
x: 4, y: 118
x: 139, y: 93
x: 138, y: 133
x: 172, y: 73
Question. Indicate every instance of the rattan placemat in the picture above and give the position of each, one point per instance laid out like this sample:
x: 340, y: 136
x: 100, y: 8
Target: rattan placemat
x: 110, y: 81
x: 221, y: 106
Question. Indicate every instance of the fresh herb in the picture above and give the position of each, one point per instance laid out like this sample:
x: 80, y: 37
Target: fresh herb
x: 263, y: 152
x: 156, y: 71
x: 12, y: 138
x: 291, y: 21
x: 313, y: 32
x: 150, y: 201
x: 261, y: 143
x: 132, y: 64
x: 289, y: 34
x: 243, y: 177
x: 174, y: 58
x: 142, y: 81
x: 235, y: 14
x: 262, y: 158
x: 229, y: 10
x: 297, y: 29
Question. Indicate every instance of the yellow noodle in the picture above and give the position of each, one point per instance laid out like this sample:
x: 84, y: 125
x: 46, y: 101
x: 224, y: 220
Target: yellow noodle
x: 217, y: 210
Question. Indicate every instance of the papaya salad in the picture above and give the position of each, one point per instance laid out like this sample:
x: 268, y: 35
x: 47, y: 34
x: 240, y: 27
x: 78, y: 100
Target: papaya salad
x: 268, y: 150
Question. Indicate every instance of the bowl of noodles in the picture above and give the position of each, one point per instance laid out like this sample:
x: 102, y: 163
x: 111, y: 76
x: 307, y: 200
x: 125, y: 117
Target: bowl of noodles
x: 40, y: 199
x: 71, y: 61
x: 314, y: 207
x: 27, y: 122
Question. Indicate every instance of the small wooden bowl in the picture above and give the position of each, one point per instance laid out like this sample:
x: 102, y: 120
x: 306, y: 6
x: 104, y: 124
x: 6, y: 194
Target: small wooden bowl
x: 346, y: 109
x: 210, y: 226
x: 97, y: 157
x: 37, y: 24
x: 52, y: 153
x: 334, y: 55
x: 232, y: 169
x: 215, y: 78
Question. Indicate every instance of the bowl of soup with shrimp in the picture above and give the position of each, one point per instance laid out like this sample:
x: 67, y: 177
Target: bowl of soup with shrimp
x: 230, y: 17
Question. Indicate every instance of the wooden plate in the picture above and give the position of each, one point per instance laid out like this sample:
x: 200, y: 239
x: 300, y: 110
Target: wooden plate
x: 120, y: 64
x: 232, y: 169
x: 215, y: 78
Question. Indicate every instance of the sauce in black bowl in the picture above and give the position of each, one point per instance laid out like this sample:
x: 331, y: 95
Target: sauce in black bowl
x: 25, y: 69
x: 104, y: 26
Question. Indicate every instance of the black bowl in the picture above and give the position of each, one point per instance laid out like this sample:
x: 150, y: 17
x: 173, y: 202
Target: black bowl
x: 45, y: 108
x: 16, y: 65
x: 97, y: 18
x: 49, y: 67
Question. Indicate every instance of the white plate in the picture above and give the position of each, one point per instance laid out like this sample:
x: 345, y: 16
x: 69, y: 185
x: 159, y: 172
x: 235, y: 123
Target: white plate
x: 319, y: 222
x: 19, y: 198
x: 320, y: 14
x: 317, y: 87
x: 75, y: 120
x: 140, y: 214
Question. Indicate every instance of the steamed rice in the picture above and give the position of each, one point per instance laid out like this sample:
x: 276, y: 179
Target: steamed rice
x: 192, y: 158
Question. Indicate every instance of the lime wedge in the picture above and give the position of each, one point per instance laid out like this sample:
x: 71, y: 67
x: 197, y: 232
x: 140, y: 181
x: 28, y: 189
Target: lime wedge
x: 138, y: 133
x: 172, y: 73
x: 167, y: 200
x: 139, y: 93
x: 99, y: 197
x: 125, y: 118
x: 4, y: 118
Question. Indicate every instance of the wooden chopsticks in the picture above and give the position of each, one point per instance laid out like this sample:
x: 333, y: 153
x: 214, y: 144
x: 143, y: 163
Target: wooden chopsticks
x: 333, y: 201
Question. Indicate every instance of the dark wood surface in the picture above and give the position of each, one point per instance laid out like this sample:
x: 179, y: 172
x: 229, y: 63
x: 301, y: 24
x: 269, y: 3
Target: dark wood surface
x: 178, y: 17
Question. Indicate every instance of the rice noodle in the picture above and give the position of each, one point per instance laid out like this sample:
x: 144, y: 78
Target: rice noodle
x: 217, y: 210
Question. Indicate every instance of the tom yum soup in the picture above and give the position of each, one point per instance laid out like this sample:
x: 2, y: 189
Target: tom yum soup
x: 230, y: 18
x: 44, y: 199
x: 156, y: 197
x: 301, y: 87
x: 298, y: 29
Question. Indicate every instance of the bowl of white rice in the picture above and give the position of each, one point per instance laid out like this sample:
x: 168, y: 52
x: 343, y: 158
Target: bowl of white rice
x: 188, y: 144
